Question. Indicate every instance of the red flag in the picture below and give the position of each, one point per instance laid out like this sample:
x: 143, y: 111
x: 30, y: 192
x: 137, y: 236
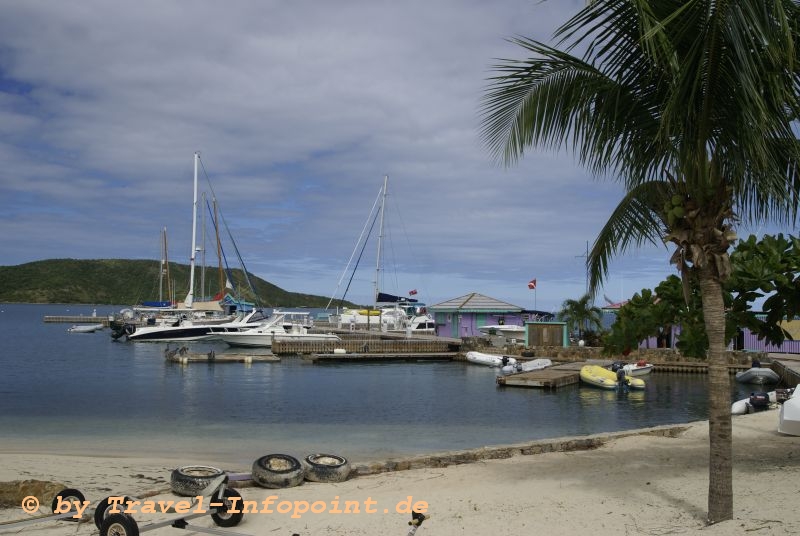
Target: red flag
x: 412, y: 292
x: 532, y: 284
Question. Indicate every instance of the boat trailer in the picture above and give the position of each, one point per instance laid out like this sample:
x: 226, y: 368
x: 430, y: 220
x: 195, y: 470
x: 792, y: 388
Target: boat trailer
x: 112, y: 522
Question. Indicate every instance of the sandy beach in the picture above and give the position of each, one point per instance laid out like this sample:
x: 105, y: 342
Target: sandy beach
x: 635, y: 484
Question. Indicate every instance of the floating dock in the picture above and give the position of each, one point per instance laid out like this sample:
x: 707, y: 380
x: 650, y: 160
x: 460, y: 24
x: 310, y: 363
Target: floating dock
x: 185, y: 357
x: 80, y: 319
x: 343, y: 358
x: 546, y: 378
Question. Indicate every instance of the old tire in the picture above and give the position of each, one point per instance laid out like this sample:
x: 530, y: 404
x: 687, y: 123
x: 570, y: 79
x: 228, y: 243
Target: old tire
x: 278, y: 471
x: 326, y: 468
x: 68, y: 494
x: 222, y: 517
x: 119, y: 525
x: 191, y: 480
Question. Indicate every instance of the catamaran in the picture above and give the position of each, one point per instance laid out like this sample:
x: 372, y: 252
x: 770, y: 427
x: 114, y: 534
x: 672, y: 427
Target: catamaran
x: 390, y: 313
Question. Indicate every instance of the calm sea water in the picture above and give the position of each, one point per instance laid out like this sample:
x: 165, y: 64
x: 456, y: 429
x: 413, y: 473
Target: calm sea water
x: 80, y: 393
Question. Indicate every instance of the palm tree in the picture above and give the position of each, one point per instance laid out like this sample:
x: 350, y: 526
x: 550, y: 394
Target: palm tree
x: 581, y: 314
x: 690, y: 105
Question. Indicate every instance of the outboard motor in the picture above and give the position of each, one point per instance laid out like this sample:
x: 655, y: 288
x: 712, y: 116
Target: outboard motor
x: 758, y: 401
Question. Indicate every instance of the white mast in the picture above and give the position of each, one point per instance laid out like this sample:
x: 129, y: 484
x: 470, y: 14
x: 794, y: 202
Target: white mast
x: 189, y: 301
x: 380, y: 239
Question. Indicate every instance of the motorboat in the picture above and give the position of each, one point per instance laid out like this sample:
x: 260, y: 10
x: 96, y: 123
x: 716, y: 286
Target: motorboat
x: 85, y: 328
x: 603, y: 378
x: 640, y: 368
x: 490, y: 360
x: 281, y: 326
x: 789, y: 417
x: 527, y: 366
x: 758, y: 375
x: 753, y: 403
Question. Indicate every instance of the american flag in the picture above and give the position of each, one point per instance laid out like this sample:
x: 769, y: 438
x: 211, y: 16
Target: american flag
x: 532, y: 284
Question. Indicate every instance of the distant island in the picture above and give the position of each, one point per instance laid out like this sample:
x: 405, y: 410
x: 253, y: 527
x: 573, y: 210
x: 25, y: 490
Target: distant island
x: 128, y: 282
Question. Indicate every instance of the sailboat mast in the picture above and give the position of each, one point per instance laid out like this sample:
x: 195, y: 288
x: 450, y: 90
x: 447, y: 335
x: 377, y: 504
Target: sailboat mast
x: 163, y: 266
x: 380, y: 240
x: 222, y: 275
x: 189, y: 301
x: 170, y: 297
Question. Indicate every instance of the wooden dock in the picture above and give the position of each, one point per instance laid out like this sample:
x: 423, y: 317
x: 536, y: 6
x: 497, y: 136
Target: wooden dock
x: 412, y: 357
x: 79, y: 319
x: 364, y: 346
x: 547, y: 378
x: 184, y: 357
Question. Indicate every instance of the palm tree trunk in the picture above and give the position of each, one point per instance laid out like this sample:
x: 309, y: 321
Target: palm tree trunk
x: 720, y: 466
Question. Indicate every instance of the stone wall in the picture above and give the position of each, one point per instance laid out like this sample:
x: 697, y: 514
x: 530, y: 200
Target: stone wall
x: 585, y: 353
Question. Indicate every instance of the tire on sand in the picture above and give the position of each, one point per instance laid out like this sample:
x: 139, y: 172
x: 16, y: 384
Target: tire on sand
x: 191, y: 480
x: 326, y: 468
x: 67, y: 495
x: 278, y: 471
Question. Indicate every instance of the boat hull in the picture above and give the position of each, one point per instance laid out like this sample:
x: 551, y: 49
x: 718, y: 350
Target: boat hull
x: 90, y: 328
x: 178, y: 333
x: 527, y: 366
x: 490, y: 360
x: 758, y: 376
x: 603, y: 378
x: 789, y: 417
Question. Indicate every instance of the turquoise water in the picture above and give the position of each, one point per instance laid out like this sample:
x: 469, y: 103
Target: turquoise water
x: 79, y: 393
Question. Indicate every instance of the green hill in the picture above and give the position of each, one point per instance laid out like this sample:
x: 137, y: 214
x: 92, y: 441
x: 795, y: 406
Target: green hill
x: 126, y: 282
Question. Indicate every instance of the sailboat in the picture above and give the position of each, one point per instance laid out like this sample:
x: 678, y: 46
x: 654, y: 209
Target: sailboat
x: 188, y: 320
x: 391, y: 313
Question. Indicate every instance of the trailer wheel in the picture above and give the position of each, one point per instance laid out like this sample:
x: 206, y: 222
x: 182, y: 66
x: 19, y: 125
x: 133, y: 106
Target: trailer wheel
x: 101, y: 510
x: 119, y: 525
x: 278, y: 471
x: 222, y: 517
x: 191, y: 480
x: 327, y: 468
x: 68, y: 494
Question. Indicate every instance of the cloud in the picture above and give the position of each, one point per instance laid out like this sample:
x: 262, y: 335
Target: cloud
x: 299, y: 109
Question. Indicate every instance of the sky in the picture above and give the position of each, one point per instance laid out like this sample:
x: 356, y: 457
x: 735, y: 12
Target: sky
x: 299, y: 110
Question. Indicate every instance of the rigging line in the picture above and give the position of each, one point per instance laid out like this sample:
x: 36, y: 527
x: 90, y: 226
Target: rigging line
x: 361, y: 254
x: 230, y: 235
x: 350, y: 260
x: 412, y: 253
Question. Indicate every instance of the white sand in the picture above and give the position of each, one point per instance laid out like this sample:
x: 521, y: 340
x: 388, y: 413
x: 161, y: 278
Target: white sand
x: 632, y: 485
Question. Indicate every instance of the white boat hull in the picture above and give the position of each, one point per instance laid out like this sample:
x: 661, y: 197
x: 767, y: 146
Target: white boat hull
x: 86, y: 328
x: 527, y: 366
x: 490, y: 360
x: 789, y: 418
x: 638, y: 370
x: 504, y: 330
x: 740, y: 407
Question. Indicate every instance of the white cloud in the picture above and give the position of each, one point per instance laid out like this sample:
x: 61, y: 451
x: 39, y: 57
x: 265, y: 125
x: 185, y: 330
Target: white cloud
x: 299, y: 109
